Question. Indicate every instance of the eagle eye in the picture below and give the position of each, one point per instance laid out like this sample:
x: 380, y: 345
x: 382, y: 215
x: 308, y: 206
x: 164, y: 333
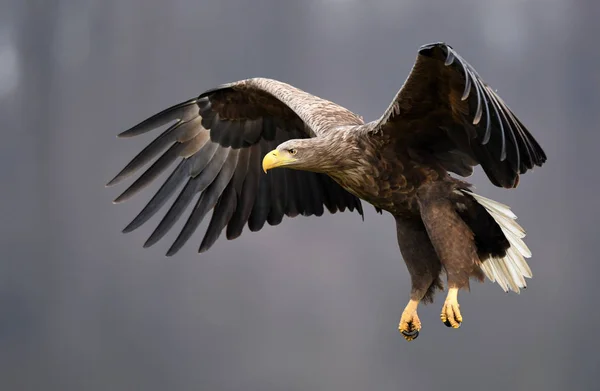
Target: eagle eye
x: 292, y: 151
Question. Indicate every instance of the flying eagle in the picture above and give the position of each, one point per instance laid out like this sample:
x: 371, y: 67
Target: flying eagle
x: 445, y: 119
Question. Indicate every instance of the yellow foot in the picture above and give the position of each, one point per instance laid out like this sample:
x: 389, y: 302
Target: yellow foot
x: 451, y: 310
x: 409, y: 322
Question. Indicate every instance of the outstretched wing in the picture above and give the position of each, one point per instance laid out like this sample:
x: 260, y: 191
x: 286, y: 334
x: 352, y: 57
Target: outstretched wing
x: 220, y: 139
x: 446, y: 110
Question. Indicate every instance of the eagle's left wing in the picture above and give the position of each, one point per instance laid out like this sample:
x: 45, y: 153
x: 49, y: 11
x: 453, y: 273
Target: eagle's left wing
x: 446, y: 110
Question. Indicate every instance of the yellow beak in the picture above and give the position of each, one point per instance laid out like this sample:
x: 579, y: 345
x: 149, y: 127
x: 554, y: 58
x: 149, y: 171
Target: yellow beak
x: 275, y: 159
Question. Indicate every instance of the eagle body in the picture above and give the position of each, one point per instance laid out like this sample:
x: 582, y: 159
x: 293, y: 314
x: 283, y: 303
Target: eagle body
x: 375, y: 173
x: 256, y: 150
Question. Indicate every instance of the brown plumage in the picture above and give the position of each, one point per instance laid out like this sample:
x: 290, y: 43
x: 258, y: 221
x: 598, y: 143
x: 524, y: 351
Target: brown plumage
x: 444, y: 119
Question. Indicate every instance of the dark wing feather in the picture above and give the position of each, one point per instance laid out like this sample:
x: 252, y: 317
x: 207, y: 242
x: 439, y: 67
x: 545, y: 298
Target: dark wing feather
x: 220, y: 139
x: 446, y: 110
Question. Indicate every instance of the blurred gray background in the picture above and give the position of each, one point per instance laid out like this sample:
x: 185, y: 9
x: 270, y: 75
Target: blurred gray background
x: 314, y: 303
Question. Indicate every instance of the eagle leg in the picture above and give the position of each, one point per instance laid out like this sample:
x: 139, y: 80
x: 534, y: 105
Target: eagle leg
x: 424, y: 268
x: 451, y: 316
x: 454, y: 244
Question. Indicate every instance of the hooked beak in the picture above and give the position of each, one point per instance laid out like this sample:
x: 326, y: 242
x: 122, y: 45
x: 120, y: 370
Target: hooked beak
x: 275, y: 159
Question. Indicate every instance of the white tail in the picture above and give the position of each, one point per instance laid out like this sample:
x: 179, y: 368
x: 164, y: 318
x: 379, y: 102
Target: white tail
x: 509, y: 271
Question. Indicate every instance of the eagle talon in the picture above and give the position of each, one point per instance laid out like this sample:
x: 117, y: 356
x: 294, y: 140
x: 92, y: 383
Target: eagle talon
x: 450, y: 315
x: 410, y: 324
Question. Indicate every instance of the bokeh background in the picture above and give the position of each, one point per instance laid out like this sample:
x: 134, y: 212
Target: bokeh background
x: 314, y: 303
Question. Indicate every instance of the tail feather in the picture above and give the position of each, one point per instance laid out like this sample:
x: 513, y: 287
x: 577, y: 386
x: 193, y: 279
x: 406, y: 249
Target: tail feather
x: 510, y: 270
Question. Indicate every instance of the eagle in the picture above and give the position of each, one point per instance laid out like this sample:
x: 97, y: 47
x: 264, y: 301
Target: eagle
x: 256, y: 150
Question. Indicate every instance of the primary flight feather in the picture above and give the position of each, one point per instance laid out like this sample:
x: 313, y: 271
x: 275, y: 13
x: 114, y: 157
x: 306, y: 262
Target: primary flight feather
x: 444, y: 119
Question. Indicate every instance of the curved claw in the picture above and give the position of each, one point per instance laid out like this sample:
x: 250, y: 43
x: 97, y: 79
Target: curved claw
x: 410, y: 335
x: 448, y: 324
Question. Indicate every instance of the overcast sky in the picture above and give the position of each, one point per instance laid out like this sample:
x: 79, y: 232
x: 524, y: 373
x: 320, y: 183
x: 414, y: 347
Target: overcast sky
x: 314, y: 303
